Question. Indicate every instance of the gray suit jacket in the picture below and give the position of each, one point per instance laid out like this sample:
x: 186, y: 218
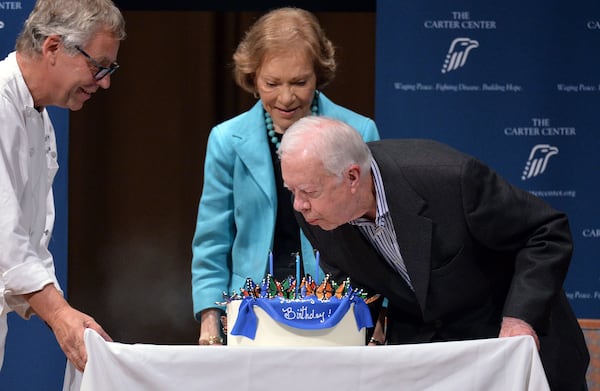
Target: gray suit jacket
x: 476, y: 249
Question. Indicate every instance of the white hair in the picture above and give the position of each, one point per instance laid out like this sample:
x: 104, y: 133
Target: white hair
x: 336, y: 144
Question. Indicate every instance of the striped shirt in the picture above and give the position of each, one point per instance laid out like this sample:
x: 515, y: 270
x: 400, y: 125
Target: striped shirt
x: 381, y: 233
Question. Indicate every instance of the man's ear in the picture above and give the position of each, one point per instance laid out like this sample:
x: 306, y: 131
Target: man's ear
x: 353, y: 174
x: 50, y: 47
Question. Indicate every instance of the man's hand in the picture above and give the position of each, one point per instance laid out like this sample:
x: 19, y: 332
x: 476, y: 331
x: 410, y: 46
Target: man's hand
x: 67, y: 323
x: 68, y: 327
x: 512, y: 327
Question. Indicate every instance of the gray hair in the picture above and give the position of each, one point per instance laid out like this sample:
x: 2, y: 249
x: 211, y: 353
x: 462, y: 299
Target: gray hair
x: 335, y: 143
x: 76, y: 21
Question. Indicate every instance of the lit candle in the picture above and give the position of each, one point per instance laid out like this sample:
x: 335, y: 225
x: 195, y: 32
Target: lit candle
x: 271, y: 262
x: 317, y: 260
x: 297, y: 273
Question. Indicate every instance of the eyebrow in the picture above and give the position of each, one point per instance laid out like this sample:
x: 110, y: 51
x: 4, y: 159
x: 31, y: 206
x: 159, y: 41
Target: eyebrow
x: 293, y: 79
x: 104, y: 61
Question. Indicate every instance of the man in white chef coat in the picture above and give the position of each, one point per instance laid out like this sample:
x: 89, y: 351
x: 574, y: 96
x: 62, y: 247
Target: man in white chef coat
x: 65, y: 52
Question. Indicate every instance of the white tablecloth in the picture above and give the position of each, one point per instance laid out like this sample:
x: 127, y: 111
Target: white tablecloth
x: 481, y: 365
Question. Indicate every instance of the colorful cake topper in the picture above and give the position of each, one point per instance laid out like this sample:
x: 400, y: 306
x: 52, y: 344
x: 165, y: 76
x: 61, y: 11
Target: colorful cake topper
x: 270, y: 288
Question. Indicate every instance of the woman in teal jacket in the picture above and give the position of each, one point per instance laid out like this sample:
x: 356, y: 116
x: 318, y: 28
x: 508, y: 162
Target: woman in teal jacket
x: 245, y: 212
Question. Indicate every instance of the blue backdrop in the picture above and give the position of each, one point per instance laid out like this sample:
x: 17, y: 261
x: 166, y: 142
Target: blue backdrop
x: 33, y: 359
x: 513, y: 83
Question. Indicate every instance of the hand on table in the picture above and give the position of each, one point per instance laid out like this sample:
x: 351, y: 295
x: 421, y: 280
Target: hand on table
x: 210, y: 328
x: 66, y: 322
x: 68, y: 327
x: 378, y: 337
x: 512, y: 327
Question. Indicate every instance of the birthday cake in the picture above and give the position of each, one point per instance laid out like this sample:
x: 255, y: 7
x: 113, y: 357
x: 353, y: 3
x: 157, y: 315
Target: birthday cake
x: 278, y: 314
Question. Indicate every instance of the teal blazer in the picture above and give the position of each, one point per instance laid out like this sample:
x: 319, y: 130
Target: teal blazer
x: 236, y: 214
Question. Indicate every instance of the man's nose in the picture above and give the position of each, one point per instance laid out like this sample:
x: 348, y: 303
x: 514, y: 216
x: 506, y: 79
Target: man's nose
x: 104, y: 82
x: 301, y: 204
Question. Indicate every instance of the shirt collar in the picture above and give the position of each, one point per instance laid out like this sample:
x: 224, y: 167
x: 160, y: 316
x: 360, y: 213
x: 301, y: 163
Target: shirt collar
x: 382, y: 207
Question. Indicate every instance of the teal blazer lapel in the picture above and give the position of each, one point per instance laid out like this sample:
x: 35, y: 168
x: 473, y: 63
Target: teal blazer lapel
x: 254, y: 152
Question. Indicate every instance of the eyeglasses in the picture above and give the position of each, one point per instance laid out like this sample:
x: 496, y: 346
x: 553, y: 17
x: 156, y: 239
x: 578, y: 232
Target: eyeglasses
x: 102, y: 72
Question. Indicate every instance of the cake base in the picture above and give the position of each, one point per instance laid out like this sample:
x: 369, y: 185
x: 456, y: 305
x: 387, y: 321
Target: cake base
x: 272, y: 333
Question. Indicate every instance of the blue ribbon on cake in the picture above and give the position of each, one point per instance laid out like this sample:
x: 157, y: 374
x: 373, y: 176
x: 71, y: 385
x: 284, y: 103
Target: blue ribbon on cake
x: 309, y: 313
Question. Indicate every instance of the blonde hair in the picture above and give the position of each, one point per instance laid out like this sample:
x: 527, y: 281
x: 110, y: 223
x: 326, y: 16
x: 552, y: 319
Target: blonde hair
x: 280, y: 30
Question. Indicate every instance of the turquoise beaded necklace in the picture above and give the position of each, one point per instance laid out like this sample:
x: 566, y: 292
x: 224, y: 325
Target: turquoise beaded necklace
x: 314, y: 108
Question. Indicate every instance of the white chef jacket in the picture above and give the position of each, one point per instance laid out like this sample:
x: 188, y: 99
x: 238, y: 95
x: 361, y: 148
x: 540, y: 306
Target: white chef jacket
x: 28, y: 163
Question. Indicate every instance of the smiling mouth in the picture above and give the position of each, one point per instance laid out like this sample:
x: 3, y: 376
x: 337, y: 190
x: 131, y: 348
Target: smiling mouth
x: 287, y: 111
x: 87, y: 92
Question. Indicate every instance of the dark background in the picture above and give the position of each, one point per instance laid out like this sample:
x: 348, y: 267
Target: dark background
x: 245, y: 5
x: 137, y: 153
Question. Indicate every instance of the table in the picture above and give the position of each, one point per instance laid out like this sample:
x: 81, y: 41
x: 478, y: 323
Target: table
x: 488, y: 364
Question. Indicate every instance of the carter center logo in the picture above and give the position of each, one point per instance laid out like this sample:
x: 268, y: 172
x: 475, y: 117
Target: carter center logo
x: 458, y: 53
x: 538, y: 160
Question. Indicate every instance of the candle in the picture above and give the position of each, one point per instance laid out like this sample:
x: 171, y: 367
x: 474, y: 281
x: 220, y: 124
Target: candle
x: 271, y: 262
x: 317, y: 260
x: 297, y: 274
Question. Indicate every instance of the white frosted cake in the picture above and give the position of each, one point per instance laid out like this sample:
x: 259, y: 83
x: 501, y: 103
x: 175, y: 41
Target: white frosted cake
x: 310, y: 320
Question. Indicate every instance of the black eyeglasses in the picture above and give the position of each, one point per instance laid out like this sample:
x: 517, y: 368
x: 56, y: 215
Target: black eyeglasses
x: 102, y: 72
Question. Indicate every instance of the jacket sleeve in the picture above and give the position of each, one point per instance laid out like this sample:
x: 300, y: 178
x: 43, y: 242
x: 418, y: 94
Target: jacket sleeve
x: 26, y: 265
x: 505, y: 218
x: 211, y: 247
